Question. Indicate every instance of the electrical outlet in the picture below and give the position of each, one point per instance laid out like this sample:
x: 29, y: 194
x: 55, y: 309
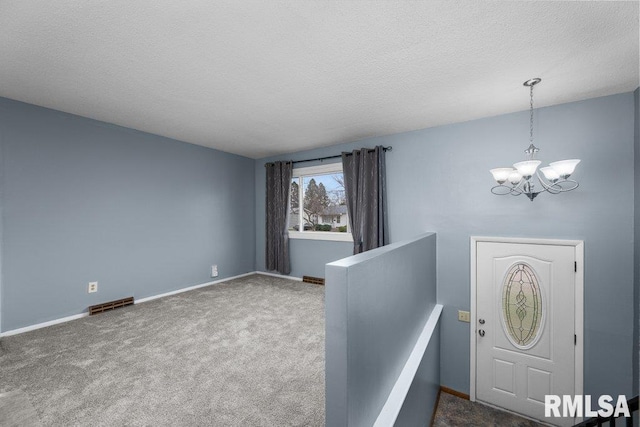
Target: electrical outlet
x: 93, y: 287
x: 464, y: 316
x: 214, y: 270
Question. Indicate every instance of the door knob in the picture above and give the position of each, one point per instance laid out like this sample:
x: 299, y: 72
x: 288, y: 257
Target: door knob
x: 481, y: 332
x: 481, y: 321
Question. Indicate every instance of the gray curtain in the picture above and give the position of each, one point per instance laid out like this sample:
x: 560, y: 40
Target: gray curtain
x: 364, y: 182
x: 277, y: 239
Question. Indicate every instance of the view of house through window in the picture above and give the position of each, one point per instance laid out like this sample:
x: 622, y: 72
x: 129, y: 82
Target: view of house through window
x: 320, y: 193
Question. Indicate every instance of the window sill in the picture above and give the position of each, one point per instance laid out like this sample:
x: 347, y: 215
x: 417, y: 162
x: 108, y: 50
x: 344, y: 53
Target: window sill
x: 321, y: 235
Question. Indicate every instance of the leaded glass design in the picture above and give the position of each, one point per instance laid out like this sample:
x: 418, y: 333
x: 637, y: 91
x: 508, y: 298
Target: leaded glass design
x: 522, y: 305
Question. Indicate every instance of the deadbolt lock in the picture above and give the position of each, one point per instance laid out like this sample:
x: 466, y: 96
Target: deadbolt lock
x: 481, y: 321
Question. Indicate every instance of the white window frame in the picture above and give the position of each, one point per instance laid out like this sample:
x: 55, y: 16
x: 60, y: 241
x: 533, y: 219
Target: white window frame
x: 300, y: 173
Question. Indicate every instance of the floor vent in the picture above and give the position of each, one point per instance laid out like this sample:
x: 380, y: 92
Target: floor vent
x: 99, y: 308
x: 314, y: 280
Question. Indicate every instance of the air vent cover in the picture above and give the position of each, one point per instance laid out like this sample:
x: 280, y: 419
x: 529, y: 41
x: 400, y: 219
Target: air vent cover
x: 314, y: 280
x: 99, y: 308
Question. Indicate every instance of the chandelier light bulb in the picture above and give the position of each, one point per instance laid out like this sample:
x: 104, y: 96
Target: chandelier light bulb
x: 527, y: 168
x: 550, y: 173
x: 515, y: 178
x: 501, y: 174
x: 565, y: 168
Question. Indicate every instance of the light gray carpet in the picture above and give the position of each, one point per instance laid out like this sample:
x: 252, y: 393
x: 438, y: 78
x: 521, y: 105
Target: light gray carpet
x: 249, y: 352
x: 16, y: 410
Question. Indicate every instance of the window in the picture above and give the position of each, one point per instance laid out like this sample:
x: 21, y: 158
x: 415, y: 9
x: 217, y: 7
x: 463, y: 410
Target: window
x: 522, y: 310
x: 320, y: 192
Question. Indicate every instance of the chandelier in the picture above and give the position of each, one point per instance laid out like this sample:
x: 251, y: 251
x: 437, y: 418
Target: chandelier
x: 520, y: 179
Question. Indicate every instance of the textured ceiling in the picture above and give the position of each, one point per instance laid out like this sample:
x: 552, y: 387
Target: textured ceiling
x: 259, y: 78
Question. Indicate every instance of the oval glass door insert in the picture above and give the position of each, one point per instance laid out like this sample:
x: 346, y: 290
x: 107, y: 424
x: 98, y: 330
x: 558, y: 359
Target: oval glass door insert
x: 522, y: 311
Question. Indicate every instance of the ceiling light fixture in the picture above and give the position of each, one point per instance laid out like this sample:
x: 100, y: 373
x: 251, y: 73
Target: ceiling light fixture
x: 520, y: 177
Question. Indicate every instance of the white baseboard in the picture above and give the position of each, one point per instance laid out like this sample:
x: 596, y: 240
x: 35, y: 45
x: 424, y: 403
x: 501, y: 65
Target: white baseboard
x: 42, y: 325
x: 190, y: 288
x: 282, y: 276
x: 141, y: 300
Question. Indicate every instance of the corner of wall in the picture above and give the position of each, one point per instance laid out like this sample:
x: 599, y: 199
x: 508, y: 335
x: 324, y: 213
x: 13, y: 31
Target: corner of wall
x: 1, y: 215
x: 259, y: 179
x: 636, y: 244
x: 255, y: 216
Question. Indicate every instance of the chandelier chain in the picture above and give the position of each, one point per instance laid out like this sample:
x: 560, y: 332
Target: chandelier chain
x: 531, y: 114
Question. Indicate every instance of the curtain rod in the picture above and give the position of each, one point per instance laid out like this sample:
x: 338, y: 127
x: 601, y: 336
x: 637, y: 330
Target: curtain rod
x: 337, y: 156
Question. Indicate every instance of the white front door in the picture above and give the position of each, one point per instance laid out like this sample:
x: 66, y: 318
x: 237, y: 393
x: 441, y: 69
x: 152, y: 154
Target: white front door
x: 525, y: 325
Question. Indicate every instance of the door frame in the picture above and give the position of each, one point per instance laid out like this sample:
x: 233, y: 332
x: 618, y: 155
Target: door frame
x: 579, y: 304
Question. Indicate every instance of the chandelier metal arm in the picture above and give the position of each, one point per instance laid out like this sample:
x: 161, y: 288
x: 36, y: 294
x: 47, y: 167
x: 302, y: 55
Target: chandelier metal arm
x: 519, y: 188
x: 547, y: 187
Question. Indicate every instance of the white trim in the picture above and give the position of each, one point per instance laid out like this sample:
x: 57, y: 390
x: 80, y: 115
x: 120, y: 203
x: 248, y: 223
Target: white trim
x: 317, y: 170
x: 579, y: 323
x: 321, y: 235
x: 42, y: 325
x: 299, y: 173
x: 141, y: 300
x: 393, y: 405
x: 527, y: 241
x: 282, y: 276
x: 190, y: 288
x: 472, y: 322
x: 579, y: 305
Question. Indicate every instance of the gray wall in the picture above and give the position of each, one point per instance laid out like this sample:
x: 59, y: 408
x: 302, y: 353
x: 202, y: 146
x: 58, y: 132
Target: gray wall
x: 438, y: 179
x: 1, y: 221
x: 636, y: 251
x: 377, y: 304
x: 88, y: 201
x: 308, y: 257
